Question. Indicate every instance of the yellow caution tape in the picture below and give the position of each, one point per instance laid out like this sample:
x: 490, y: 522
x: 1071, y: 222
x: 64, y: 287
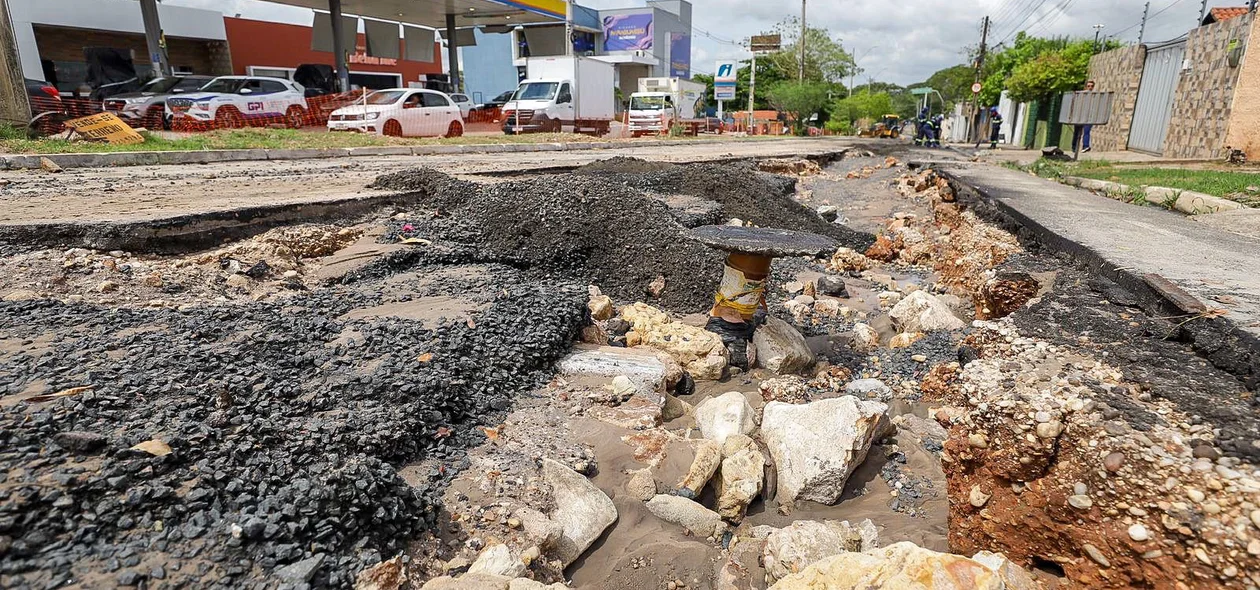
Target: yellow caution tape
x: 739, y: 293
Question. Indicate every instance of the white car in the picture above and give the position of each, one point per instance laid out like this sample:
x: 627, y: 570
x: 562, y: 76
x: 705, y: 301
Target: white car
x: 464, y: 103
x: 239, y: 101
x: 401, y: 112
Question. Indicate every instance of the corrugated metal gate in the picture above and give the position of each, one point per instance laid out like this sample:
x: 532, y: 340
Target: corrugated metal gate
x: 1155, y: 96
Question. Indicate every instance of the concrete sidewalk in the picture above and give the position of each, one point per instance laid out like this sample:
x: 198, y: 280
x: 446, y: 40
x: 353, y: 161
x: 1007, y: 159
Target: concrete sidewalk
x: 1136, y: 246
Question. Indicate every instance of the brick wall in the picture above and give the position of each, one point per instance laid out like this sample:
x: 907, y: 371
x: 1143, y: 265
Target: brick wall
x: 66, y: 44
x: 1118, y: 71
x: 1244, y: 121
x: 1203, y: 101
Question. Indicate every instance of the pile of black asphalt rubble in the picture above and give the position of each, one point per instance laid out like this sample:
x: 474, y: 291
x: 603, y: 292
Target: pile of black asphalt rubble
x: 286, y: 425
x: 606, y: 223
x: 259, y: 445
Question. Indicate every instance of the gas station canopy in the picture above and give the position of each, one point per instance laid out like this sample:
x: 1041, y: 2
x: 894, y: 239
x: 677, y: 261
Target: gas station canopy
x: 432, y: 13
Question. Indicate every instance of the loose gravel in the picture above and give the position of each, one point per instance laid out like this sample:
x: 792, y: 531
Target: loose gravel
x: 286, y: 426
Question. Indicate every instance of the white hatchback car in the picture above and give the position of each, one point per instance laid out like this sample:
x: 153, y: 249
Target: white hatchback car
x: 464, y: 103
x: 401, y: 112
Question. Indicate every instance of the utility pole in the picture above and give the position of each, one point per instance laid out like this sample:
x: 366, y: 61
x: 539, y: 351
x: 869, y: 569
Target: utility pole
x: 154, y: 38
x: 803, y: 31
x: 752, y: 91
x: 1097, y: 32
x: 1146, y: 13
x: 975, y: 96
x: 15, y: 105
x: 1202, y: 13
x: 568, y: 28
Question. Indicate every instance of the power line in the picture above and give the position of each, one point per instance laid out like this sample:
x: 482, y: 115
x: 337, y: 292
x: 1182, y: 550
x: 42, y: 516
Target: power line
x: 1009, y: 8
x: 1117, y: 34
x: 1021, y: 22
x: 709, y: 35
x: 1026, y: 8
x: 1055, y: 18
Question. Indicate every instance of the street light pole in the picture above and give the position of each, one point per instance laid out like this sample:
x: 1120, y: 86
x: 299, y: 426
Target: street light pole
x: 853, y: 72
x: 803, y: 32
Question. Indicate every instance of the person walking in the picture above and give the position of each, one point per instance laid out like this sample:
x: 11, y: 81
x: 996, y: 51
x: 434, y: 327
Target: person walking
x: 995, y: 127
x: 921, y: 128
x: 1080, y: 135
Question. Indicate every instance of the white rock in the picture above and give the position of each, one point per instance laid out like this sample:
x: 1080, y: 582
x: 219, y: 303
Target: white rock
x: 641, y: 485
x: 797, y: 546
x: 901, y: 565
x: 889, y: 299
x: 692, y: 516
x: 780, y: 348
x: 497, y: 560
x: 1013, y: 576
x: 582, y: 510
x: 868, y: 388
x: 724, y: 415
x: 816, y: 446
x: 706, y: 462
x: 468, y: 582
x: 865, y: 338
x: 1139, y: 533
x: 922, y: 312
x: 739, y: 481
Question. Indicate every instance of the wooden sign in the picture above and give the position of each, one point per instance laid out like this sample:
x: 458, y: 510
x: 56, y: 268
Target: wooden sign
x: 106, y: 126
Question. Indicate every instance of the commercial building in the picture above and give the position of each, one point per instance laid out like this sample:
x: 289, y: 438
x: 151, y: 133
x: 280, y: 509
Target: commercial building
x: 52, y: 36
x: 653, y: 40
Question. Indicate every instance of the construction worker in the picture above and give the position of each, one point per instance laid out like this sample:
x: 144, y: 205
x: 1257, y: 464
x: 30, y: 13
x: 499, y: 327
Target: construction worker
x: 936, y: 129
x: 995, y: 127
x: 922, y: 128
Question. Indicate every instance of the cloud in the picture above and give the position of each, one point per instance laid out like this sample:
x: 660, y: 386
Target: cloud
x: 902, y: 42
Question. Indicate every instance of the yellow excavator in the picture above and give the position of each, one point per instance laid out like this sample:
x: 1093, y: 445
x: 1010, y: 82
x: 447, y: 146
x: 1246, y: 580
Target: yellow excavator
x: 888, y: 127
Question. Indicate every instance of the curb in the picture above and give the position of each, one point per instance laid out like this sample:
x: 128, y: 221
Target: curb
x: 1219, y: 340
x: 147, y: 158
x: 1188, y: 202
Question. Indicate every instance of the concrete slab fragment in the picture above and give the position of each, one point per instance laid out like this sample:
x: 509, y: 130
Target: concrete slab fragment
x: 644, y: 370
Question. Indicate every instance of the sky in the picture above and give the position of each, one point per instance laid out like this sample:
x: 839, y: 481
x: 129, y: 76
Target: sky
x: 899, y: 41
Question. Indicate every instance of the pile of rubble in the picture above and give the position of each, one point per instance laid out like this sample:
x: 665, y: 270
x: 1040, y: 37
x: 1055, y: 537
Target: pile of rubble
x: 1057, y: 458
x: 271, y: 265
x: 233, y: 446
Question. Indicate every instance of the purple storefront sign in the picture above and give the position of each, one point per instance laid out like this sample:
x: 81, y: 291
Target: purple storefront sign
x: 679, y: 55
x: 628, y: 32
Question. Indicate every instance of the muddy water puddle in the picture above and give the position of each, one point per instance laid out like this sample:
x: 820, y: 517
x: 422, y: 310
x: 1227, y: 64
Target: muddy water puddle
x: 642, y: 551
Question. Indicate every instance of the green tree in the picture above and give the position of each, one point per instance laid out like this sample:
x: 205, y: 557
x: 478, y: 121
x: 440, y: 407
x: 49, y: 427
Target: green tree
x: 799, y: 101
x: 1051, y: 73
x: 954, y: 83
x: 863, y: 105
x: 825, y: 58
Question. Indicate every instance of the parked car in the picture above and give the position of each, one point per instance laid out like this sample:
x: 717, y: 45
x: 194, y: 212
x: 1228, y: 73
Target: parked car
x: 464, y: 103
x: 43, y: 97
x: 48, y: 112
x: 146, y: 107
x: 496, y: 102
x: 401, y: 112
x: 239, y: 101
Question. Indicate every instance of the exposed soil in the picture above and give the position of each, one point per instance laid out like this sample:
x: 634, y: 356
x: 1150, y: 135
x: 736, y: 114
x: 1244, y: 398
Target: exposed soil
x: 387, y: 387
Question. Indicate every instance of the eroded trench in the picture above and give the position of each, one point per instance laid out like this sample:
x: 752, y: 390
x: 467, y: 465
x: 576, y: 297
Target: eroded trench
x: 439, y: 395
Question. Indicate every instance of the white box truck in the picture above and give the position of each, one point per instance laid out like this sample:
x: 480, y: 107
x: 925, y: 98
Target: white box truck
x: 560, y: 92
x: 662, y: 103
